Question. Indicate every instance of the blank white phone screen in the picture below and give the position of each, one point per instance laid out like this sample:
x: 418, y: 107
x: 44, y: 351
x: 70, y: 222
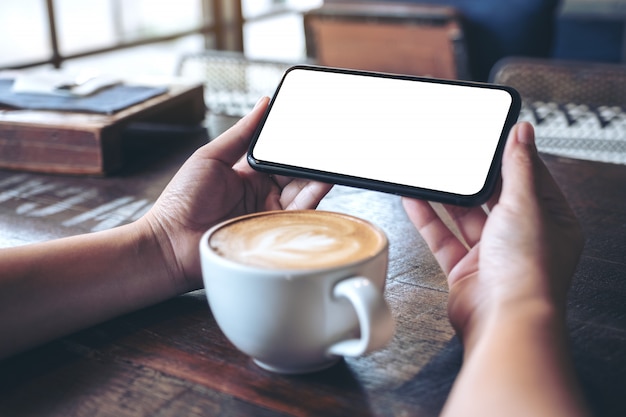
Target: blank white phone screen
x: 428, y: 135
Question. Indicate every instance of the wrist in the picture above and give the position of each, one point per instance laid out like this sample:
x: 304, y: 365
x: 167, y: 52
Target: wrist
x: 520, y: 362
x: 156, y: 258
x: 514, y: 318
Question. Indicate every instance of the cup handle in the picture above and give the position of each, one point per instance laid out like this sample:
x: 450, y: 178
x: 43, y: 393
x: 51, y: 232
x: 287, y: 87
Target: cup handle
x: 375, y: 319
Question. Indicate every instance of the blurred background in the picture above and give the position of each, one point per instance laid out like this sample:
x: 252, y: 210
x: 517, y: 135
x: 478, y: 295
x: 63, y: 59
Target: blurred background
x: 146, y: 36
x: 149, y: 36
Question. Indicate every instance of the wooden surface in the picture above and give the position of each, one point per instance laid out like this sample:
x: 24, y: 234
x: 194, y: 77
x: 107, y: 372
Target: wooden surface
x: 87, y: 143
x: 172, y: 360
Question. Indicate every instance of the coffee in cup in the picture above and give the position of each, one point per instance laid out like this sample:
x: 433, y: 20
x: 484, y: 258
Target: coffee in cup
x: 297, y: 290
x: 297, y: 240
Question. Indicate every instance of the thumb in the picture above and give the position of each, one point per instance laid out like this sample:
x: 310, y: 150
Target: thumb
x: 232, y: 144
x: 520, y: 167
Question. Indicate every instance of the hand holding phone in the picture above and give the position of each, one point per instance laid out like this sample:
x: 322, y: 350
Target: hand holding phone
x: 432, y: 139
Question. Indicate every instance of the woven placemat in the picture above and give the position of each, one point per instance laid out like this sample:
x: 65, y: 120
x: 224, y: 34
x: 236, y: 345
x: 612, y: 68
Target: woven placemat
x: 578, y: 130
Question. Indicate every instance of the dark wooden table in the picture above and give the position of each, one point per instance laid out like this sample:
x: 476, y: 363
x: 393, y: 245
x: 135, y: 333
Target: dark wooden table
x: 172, y: 360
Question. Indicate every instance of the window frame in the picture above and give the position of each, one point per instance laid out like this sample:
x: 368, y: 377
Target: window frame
x: 221, y: 26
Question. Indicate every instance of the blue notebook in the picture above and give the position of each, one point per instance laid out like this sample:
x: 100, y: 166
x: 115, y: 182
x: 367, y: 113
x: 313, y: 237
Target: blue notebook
x: 107, y: 101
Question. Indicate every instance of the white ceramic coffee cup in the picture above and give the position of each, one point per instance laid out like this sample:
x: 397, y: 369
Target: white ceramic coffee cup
x: 299, y: 319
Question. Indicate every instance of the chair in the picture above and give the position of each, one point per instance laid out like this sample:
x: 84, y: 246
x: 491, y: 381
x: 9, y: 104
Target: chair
x: 232, y: 82
x: 395, y: 38
x: 577, y: 108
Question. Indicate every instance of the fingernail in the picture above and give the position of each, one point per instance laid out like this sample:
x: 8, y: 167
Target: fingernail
x: 525, y: 134
x: 259, y: 101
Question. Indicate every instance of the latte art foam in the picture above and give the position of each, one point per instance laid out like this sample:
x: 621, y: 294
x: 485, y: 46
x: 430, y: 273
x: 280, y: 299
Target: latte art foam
x: 297, y: 240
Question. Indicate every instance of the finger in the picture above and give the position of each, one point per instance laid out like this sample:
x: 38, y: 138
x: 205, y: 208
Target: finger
x: 301, y: 194
x: 520, y: 165
x: 272, y: 199
x: 445, y: 246
x: 232, y: 144
x: 546, y: 188
x: 493, y: 200
x: 468, y: 221
x: 284, y: 181
x: 527, y: 182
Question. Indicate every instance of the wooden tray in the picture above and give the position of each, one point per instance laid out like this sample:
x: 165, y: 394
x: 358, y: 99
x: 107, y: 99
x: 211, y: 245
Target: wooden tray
x: 81, y: 143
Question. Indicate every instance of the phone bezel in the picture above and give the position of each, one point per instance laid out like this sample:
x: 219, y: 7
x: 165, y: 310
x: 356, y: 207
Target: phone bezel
x: 393, y: 188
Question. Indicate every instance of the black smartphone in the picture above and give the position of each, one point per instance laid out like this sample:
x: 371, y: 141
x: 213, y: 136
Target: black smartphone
x: 438, y: 140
